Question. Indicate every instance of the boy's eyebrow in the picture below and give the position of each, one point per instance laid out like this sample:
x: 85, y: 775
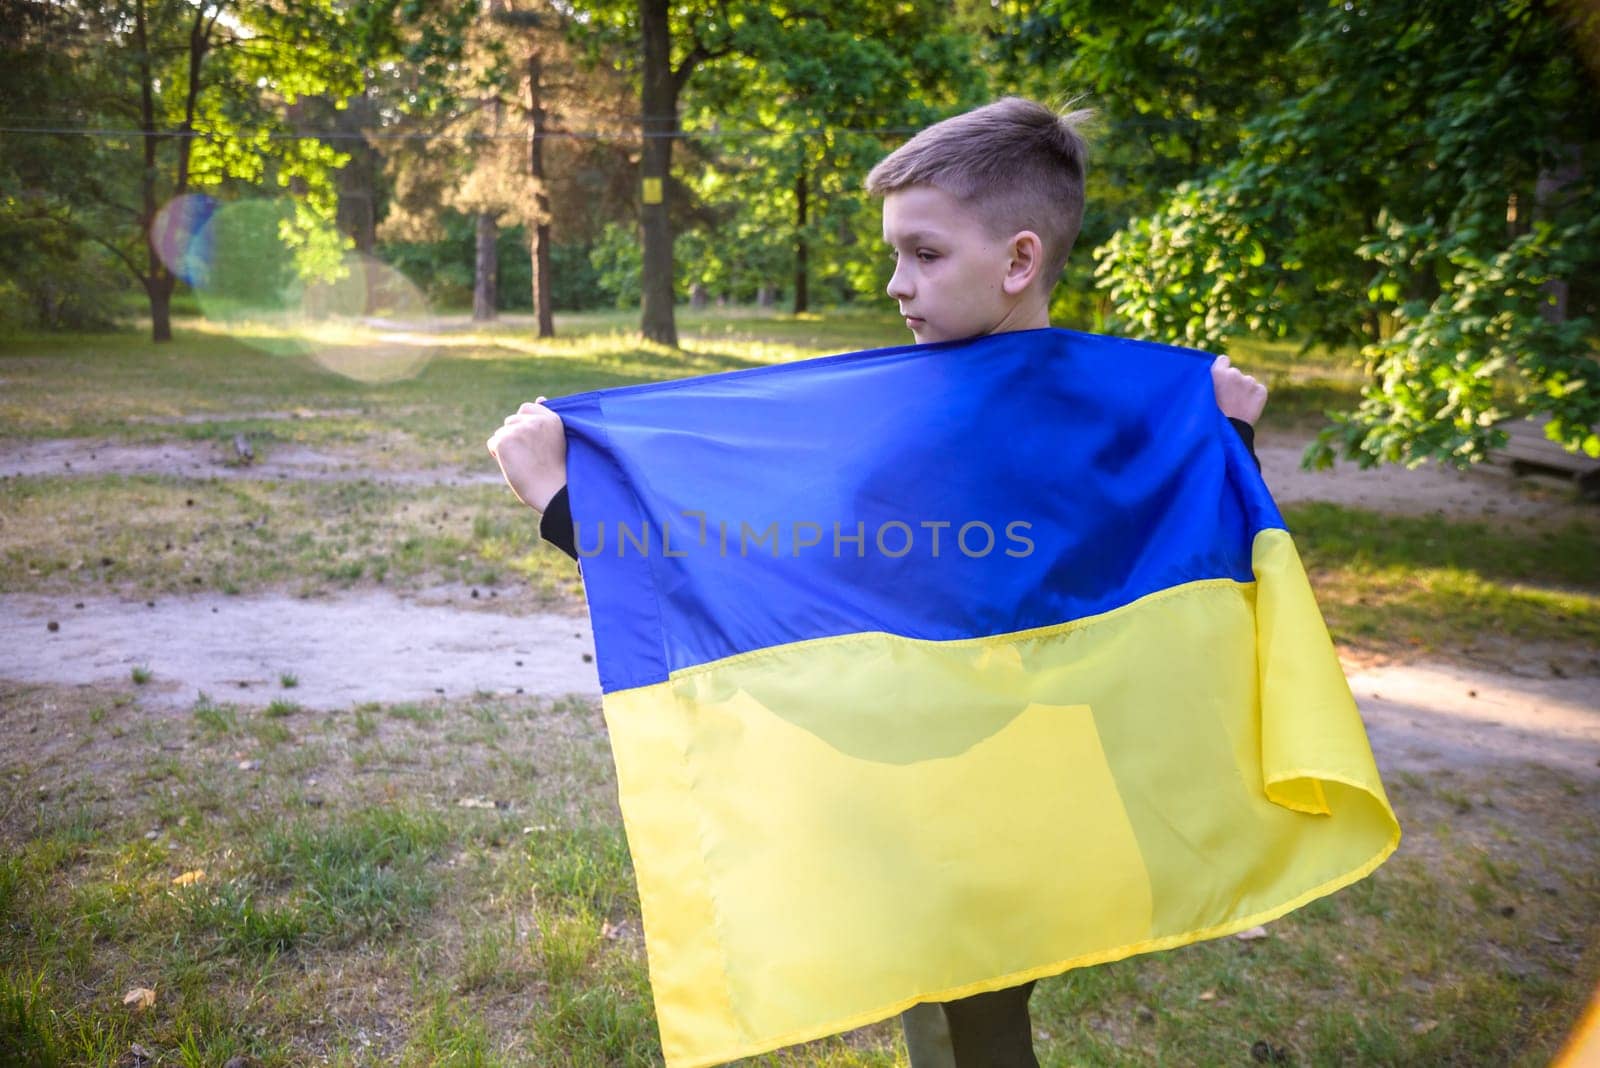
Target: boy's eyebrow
x: 915, y: 236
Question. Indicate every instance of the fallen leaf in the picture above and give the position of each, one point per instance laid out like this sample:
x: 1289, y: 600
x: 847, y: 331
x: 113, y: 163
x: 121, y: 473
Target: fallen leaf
x: 1422, y: 1027
x: 1252, y: 934
x: 140, y: 998
x: 475, y: 802
x: 137, y: 1057
x: 249, y: 765
x: 188, y: 878
x: 1208, y: 995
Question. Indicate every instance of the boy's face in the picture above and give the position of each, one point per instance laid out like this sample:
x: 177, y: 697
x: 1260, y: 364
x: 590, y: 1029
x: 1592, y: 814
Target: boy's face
x: 949, y: 268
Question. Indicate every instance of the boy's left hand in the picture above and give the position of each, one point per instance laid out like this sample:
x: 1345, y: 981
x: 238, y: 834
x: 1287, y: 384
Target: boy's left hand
x: 1239, y: 395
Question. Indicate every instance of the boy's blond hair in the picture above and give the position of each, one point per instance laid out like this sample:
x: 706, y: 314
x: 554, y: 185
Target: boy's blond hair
x: 1016, y: 163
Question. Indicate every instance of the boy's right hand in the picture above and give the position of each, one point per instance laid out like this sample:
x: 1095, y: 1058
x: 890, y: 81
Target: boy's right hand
x: 531, y: 447
x: 1239, y: 395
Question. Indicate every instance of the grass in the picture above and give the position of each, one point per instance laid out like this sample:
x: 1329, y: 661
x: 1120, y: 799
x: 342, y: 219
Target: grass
x: 210, y: 385
x: 158, y: 535
x: 188, y: 532
x: 1397, y: 584
x: 215, y: 719
x: 1388, y: 585
x: 1301, y: 387
x: 352, y: 912
x: 280, y: 708
x: 370, y: 919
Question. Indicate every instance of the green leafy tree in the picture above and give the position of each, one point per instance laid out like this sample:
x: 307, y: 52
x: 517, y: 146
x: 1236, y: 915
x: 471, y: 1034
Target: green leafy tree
x: 208, y: 86
x: 1171, y: 85
x: 837, y: 86
x: 48, y: 272
x: 806, y: 54
x: 1425, y: 192
x: 494, y: 146
x: 197, y: 96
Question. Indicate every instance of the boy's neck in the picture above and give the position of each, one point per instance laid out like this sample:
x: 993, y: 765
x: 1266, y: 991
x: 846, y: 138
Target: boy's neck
x: 1030, y: 315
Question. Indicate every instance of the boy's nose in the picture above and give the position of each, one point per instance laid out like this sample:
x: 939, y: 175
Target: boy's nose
x: 898, y: 288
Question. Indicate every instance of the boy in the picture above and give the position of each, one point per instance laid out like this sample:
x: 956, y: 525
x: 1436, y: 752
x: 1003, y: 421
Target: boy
x: 981, y: 211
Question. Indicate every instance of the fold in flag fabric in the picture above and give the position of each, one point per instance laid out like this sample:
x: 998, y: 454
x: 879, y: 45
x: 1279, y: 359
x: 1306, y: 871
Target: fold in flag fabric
x: 932, y: 670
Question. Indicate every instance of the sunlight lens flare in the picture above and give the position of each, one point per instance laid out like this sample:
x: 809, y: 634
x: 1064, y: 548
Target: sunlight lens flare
x: 176, y: 235
x: 371, y: 323
x: 361, y: 319
x: 244, y: 274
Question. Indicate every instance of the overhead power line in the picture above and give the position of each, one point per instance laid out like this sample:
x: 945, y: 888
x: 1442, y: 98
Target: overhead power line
x: 379, y: 135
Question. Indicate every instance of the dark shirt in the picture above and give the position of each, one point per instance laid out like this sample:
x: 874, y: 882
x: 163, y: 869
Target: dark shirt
x: 555, y: 526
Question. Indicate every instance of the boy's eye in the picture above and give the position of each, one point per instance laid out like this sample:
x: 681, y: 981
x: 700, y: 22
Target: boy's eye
x: 925, y: 256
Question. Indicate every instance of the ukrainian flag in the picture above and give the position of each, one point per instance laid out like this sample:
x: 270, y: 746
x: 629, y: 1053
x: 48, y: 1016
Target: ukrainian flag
x: 932, y: 670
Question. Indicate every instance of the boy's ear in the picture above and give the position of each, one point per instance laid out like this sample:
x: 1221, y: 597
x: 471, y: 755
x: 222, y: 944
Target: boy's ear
x: 1027, y: 256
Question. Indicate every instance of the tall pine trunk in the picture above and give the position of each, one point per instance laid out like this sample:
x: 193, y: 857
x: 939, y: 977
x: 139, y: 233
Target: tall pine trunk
x: 802, y: 297
x: 486, y: 271
x: 539, y: 232
x: 659, y: 97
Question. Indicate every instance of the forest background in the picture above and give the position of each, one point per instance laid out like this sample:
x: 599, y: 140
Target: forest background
x: 1411, y: 184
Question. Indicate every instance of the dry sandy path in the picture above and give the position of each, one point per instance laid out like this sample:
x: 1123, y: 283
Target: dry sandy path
x: 354, y: 647
x: 68, y: 457
x: 1483, y: 494
x: 376, y: 646
x: 1486, y: 493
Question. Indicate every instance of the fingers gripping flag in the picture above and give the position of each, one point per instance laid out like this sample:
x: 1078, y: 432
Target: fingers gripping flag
x: 932, y: 670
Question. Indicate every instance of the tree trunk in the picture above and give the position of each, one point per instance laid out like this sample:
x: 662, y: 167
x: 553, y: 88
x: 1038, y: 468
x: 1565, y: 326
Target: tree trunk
x: 159, y: 282
x: 357, y: 181
x: 486, y: 272
x: 802, y: 298
x: 160, y: 309
x: 659, y: 97
x: 1548, y: 189
x: 539, y: 232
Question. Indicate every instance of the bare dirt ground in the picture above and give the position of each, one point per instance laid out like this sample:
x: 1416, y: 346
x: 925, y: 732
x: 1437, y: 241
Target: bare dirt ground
x: 367, y: 646
x: 1486, y: 494
x: 361, y: 646
x: 209, y: 459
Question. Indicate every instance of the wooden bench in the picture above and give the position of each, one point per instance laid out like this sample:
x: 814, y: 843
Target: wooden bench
x: 1529, y: 452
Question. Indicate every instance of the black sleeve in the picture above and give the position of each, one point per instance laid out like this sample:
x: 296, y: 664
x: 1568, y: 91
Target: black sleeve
x: 555, y: 526
x: 1247, y: 434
